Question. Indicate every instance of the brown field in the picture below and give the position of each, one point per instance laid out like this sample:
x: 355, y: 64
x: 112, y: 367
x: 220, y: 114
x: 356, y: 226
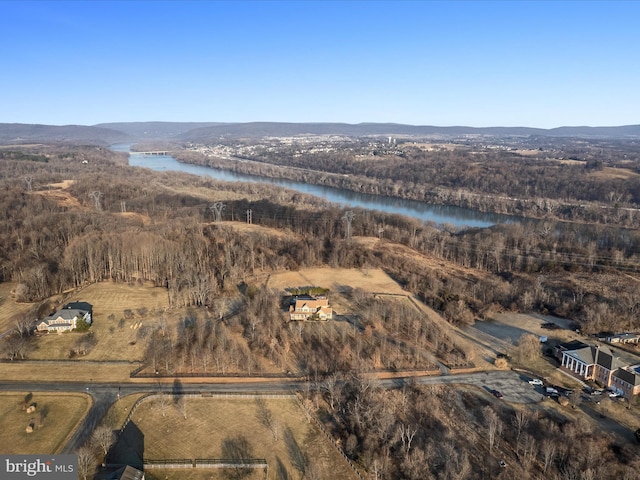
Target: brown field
x: 609, y: 173
x: 340, y: 281
x: 212, y: 423
x: 62, y: 413
x: 337, y: 280
x: 570, y: 162
x: 115, y: 341
x: 59, y: 194
x: 528, y: 153
x: 65, y: 372
x: 9, y: 307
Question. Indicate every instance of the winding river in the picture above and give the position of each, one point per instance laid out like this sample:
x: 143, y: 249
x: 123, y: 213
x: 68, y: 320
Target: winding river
x: 459, y: 217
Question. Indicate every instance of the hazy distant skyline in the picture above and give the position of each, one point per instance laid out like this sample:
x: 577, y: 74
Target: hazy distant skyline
x: 535, y: 64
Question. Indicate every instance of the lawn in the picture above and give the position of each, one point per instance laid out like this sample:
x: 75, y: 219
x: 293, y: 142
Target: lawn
x: 117, y: 337
x: 55, y: 419
x: 9, y: 307
x: 272, y: 429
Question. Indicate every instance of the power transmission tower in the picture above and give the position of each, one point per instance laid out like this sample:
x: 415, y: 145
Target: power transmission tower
x: 217, y: 210
x: 249, y: 216
x: 123, y: 206
x: 96, y: 199
x: 347, y: 219
x: 29, y: 181
x: 380, y: 231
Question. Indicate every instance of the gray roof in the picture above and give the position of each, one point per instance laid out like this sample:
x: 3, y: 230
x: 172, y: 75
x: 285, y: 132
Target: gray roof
x: 584, y: 354
x: 66, y: 314
x: 628, y: 376
x: 84, y: 306
x: 128, y: 473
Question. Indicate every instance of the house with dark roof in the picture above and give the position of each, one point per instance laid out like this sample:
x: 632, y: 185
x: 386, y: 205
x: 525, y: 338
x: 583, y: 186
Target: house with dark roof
x: 66, y: 319
x: 627, y: 381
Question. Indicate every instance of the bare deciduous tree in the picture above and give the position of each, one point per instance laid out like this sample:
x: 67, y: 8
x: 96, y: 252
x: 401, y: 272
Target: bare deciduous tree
x: 86, y: 463
x: 103, y: 437
x: 494, y: 426
x: 548, y: 451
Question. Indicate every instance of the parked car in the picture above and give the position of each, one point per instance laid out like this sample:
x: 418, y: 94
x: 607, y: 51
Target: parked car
x: 536, y: 381
x: 496, y: 394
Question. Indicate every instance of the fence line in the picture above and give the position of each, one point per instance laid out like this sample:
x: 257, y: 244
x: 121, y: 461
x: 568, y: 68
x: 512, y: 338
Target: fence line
x: 137, y: 373
x: 322, y: 428
x: 184, y: 463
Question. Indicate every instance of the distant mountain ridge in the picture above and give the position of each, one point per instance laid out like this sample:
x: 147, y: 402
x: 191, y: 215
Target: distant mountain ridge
x: 20, y: 133
x: 209, y: 132
x: 157, y: 130
x: 274, y: 129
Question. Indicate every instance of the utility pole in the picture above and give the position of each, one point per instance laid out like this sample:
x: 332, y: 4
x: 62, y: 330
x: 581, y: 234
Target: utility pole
x: 348, y: 218
x: 96, y: 199
x: 249, y: 216
x: 217, y: 210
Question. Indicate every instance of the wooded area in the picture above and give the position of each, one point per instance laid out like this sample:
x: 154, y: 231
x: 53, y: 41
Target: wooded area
x: 66, y: 224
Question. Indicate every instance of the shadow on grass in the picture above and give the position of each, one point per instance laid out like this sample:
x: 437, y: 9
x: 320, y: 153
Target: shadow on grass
x: 129, y: 449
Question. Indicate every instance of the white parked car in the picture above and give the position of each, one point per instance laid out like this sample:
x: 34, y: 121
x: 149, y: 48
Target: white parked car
x: 536, y: 381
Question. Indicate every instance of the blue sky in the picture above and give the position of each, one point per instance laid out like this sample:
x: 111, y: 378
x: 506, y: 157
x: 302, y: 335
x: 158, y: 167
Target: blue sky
x: 539, y: 64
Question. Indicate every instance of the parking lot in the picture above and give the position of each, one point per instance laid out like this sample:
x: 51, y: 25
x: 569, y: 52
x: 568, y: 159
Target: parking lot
x: 513, y: 385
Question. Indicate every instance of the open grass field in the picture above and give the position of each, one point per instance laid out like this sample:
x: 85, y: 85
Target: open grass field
x: 56, y: 417
x: 340, y: 282
x: 65, y: 372
x: 221, y: 428
x: 9, y: 307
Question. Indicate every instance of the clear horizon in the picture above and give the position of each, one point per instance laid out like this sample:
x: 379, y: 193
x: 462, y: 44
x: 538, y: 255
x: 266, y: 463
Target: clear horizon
x: 477, y: 64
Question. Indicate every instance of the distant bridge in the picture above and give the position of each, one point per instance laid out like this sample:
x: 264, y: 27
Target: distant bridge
x: 152, y: 154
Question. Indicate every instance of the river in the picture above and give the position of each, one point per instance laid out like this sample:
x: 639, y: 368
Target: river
x: 439, y: 214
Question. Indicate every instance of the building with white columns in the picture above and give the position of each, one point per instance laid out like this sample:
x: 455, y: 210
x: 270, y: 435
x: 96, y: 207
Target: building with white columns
x: 598, y: 363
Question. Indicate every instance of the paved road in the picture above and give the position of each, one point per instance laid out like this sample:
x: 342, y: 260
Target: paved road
x: 511, y: 384
x: 104, y: 395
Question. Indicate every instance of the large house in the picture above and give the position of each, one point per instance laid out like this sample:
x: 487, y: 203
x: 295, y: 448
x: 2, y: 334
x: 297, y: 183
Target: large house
x: 598, y: 363
x: 66, y: 319
x: 305, y: 307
